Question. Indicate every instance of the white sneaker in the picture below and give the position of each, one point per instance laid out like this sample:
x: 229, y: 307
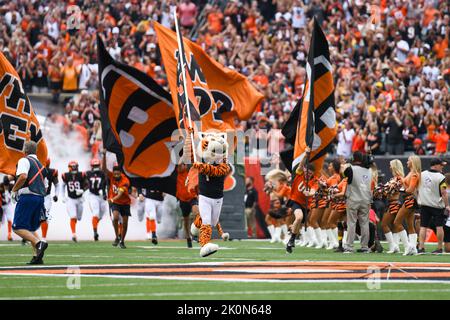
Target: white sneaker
x: 395, y: 249
x: 194, y: 230
x: 413, y: 251
x: 208, y: 249
x: 320, y: 245
x: 273, y: 240
x: 311, y: 244
x: 330, y: 246
x: 225, y: 236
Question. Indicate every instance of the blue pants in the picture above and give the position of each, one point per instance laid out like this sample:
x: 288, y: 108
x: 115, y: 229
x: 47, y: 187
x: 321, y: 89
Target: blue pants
x: 28, y: 212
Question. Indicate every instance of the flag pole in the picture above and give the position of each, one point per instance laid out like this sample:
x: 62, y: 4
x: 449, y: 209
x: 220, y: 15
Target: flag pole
x: 183, y: 72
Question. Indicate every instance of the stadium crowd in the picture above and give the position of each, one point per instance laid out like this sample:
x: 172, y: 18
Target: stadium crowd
x: 391, y: 59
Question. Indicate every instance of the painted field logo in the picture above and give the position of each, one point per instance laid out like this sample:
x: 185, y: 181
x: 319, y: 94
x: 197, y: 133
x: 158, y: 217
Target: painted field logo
x: 74, y: 279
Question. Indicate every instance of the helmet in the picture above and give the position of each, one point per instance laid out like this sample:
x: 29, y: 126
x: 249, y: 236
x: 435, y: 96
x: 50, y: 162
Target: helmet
x: 95, y: 163
x: 47, y: 162
x: 73, y: 166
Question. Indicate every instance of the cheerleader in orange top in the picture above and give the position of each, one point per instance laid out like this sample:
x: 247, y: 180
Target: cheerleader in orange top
x: 338, y: 213
x: 406, y: 212
x: 334, y: 179
x: 278, y: 190
x: 392, y: 193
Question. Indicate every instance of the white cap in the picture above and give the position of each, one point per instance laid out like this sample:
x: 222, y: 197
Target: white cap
x: 157, y: 68
x: 150, y: 32
x: 388, y: 81
x: 115, y: 30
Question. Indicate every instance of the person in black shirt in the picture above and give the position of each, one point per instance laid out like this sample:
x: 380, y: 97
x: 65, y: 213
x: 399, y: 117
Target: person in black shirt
x: 394, y: 128
x: 373, y: 141
x: 251, y: 200
x: 96, y: 181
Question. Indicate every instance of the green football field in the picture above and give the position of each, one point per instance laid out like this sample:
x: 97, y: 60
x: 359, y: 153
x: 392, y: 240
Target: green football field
x: 240, y: 270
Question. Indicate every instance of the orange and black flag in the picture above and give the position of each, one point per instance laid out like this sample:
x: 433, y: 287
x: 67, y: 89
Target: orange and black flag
x: 313, y: 120
x: 18, y: 122
x: 222, y: 94
x: 138, y: 121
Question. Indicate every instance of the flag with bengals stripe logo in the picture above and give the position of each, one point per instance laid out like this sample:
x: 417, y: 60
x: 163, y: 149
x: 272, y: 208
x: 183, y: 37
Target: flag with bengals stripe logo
x: 222, y: 94
x: 18, y: 122
x: 137, y: 122
x: 313, y: 120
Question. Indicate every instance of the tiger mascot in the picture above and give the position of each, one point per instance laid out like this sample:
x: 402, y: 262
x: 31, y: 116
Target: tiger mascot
x: 212, y: 169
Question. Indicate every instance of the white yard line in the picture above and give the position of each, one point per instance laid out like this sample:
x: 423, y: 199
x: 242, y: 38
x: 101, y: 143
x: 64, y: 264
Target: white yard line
x: 224, y: 293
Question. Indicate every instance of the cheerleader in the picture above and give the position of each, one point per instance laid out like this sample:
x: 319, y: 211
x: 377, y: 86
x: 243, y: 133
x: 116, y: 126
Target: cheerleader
x: 391, y: 190
x: 277, y: 188
x: 334, y: 179
x: 338, y: 213
x: 406, y: 212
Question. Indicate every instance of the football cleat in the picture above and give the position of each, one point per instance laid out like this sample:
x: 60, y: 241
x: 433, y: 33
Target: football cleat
x: 122, y: 245
x: 194, y: 230
x: 95, y: 236
x: 74, y: 239
x: 208, y: 249
x: 189, y: 243
x: 41, y: 246
x: 116, y: 242
x: 35, y: 260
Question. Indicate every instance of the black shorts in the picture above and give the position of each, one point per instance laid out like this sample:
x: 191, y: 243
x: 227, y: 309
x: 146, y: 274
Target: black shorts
x: 429, y: 214
x: 186, y: 207
x: 294, y: 205
x: 446, y: 234
x: 124, y: 209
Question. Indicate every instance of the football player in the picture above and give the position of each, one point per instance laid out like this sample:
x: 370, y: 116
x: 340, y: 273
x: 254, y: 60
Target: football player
x: 153, y: 208
x: 96, y: 181
x: 7, y: 204
x: 187, y: 201
x: 74, y: 182
x: 119, y: 201
x: 50, y: 178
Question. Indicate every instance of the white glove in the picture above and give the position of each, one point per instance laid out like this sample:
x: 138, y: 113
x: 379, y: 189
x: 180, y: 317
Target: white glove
x: 79, y: 192
x: 64, y: 199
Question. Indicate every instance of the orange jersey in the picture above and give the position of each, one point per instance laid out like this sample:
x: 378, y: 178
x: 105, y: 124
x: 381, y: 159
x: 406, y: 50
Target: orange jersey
x: 283, y: 191
x: 114, y: 186
x: 333, y: 180
x: 411, y: 181
x: 299, y: 185
x: 183, y: 193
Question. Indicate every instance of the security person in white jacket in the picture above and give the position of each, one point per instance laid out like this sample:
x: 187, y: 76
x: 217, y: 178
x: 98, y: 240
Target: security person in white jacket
x: 433, y: 202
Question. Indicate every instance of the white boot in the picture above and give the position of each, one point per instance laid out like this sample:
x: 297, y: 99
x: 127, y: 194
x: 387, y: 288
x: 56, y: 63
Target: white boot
x: 404, y: 239
x: 208, y: 249
x: 319, y: 243
x: 303, y: 237
x: 396, y: 238
x: 285, y: 233
x: 271, y: 229
x: 330, y: 239
x: 277, y: 234
x: 312, y: 238
x: 324, y: 237
x: 393, y: 248
x: 335, y: 233
x: 413, y: 243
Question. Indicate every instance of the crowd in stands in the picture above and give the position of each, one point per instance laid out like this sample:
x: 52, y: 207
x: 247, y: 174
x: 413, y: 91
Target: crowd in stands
x: 391, y: 59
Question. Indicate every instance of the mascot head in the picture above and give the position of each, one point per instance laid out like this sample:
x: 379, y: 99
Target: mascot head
x: 213, y: 147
